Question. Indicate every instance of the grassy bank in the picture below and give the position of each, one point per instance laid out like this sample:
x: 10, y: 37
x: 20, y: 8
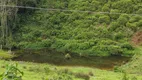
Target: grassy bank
x: 135, y: 65
x: 5, y: 55
x: 37, y: 71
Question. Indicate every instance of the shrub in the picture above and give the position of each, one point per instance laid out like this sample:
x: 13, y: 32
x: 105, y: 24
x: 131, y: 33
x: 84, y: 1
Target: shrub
x: 106, y: 8
x: 98, y: 51
x: 70, y: 46
x: 58, y: 44
x: 22, y: 44
x: 84, y: 46
x: 107, y: 42
x: 139, y: 11
x: 122, y: 20
x: 85, y: 35
x: 114, y: 26
x: 139, y: 24
x: 118, y: 36
x: 115, y: 50
x: 135, y: 19
x: 46, y: 43
x: 124, y: 6
x: 127, y: 46
x: 114, y: 16
x: 104, y: 19
x: 133, y: 26
x: 106, y: 48
x: 12, y: 73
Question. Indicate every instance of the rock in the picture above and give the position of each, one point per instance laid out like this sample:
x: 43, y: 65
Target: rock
x: 67, y: 56
x: 10, y: 52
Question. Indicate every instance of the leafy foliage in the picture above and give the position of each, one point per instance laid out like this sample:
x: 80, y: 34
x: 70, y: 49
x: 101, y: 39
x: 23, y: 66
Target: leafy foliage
x: 76, y: 31
x: 12, y: 73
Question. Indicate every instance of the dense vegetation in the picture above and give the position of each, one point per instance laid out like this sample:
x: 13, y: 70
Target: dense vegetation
x: 87, y: 33
x: 60, y: 29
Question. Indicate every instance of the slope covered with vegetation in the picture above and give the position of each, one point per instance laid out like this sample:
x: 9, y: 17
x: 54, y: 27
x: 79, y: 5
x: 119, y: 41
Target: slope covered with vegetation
x: 89, y: 27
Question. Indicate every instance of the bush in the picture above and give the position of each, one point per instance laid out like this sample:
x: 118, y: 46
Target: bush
x: 97, y: 50
x: 115, y: 50
x: 114, y: 26
x: 127, y: 46
x: 139, y: 11
x: 85, y: 35
x: 107, y: 42
x: 124, y: 6
x: 106, y: 50
x: 104, y: 19
x: 58, y: 44
x: 84, y: 46
x: 135, y: 19
x: 132, y: 26
x: 139, y: 24
x: 122, y: 20
x: 106, y: 8
x: 118, y: 36
x: 114, y: 16
x: 12, y: 73
x: 71, y: 46
x: 46, y: 43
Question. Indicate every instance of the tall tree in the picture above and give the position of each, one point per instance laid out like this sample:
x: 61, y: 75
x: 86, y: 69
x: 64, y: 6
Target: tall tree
x: 8, y: 20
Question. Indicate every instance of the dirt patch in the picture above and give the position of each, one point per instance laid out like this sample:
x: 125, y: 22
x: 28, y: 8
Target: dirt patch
x: 137, y: 38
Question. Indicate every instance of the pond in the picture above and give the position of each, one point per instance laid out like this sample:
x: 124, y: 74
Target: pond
x: 58, y: 58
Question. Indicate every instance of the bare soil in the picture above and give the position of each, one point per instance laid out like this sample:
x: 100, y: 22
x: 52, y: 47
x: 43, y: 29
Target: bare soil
x: 137, y: 38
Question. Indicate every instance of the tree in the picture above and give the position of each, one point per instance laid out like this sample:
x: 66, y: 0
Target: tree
x: 8, y: 20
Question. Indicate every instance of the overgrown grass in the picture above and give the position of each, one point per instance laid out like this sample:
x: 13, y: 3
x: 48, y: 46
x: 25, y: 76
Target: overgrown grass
x: 135, y: 65
x: 36, y: 71
x: 5, y: 55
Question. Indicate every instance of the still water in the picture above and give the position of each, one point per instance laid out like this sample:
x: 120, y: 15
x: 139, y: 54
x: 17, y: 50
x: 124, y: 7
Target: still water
x: 58, y: 58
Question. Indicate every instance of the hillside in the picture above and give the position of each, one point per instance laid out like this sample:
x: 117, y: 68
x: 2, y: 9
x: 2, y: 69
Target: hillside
x: 87, y: 33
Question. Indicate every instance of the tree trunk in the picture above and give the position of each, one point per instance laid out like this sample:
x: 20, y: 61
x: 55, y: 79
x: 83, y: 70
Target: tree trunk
x: 8, y: 21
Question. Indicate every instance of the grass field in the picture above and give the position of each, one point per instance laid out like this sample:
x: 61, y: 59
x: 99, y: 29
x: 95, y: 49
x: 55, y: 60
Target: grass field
x: 36, y: 71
